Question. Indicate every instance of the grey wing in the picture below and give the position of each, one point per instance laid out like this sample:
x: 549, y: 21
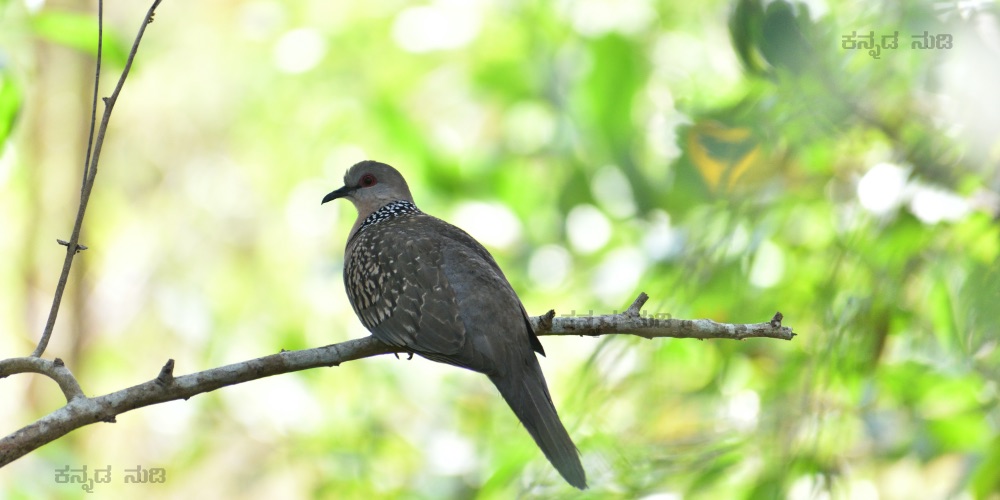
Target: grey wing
x: 478, y: 255
x: 401, y: 293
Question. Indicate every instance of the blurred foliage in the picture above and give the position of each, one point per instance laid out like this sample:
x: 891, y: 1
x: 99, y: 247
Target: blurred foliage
x: 730, y: 158
x: 10, y: 103
x: 78, y: 31
x: 10, y: 98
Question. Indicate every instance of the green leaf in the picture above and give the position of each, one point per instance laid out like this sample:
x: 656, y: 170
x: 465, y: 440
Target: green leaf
x: 784, y: 42
x: 986, y: 480
x: 959, y: 433
x: 79, y: 31
x: 610, y: 89
x: 10, y: 104
x: 745, y: 30
x: 715, y: 472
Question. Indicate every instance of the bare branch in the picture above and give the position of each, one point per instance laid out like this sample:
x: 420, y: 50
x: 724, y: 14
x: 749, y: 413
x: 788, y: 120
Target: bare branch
x: 633, y: 322
x: 56, y: 370
x: 81, y: 410
x: 90, y: 174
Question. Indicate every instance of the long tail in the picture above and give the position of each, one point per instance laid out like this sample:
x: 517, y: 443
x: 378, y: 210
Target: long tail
x: 526, y: 393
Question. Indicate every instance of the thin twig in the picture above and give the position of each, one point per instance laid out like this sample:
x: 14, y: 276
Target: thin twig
x: 90, y: 175
x: 93, y: 103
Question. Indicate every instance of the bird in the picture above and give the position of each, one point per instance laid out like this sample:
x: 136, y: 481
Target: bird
x: 424, y: 286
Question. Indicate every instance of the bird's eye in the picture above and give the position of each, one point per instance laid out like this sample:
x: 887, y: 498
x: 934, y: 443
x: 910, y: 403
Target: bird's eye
x: 368, y: 180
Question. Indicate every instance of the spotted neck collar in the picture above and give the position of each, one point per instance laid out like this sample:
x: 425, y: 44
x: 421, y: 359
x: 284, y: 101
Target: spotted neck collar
x: 388, y: 211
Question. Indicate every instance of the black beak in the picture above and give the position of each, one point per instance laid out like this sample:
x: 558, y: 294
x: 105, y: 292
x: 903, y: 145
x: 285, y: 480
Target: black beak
x: 340, y: 193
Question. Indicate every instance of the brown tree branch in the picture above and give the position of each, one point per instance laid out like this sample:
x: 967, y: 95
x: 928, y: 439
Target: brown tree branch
x: 90, y: 171
x: 81, y: 410
x: 633, y: 322
x: 55, y: 370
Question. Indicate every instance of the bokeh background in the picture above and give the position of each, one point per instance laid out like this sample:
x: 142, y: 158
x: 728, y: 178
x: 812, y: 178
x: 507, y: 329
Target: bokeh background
x: 730, y: 158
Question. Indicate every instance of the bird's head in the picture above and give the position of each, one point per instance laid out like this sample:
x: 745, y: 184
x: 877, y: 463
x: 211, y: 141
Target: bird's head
x: 370, y: 185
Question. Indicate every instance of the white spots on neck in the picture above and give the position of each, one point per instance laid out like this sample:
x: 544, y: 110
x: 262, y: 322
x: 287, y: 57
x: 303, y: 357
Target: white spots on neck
x: 388, y: 211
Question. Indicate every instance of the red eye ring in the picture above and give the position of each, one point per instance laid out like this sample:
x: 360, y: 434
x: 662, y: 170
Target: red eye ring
x: 367, y: 180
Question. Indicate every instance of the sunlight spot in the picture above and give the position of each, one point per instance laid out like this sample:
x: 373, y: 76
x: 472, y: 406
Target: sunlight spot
x: 275, y: 404
x: 743, y: 409
x: 599, y: 17
x: 817, y: 8
x: 617, y: 276
x: 737, y: 241
x: 493, y: 224
x: 616, y: 365
x: 451, y: 454
x: 528, y: 126
x: 661, y: 240
x: 812, y: 487
x: 613, y: 191
x: 121, y: 287
x: 588, y: 229
x: 185, y: 312
x: 454, y: 119
x: 440, y: 26
x: 299, y: 50
x: 549, y: 266
x: 663, y: 496
x: 881, y: 189
x: 768, y: 266
x: 932, y: 205
x: 862, y: 489
x: 965, y: 9
x: 661, y: 134
x: 172, y: 419
x: 33, y: 6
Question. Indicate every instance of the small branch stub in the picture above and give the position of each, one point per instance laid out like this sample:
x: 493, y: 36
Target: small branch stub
x: 776, y: 320
x: 79, y: 247
x: 166, y: 376
x: 546, y: 319
x: 634, y: 309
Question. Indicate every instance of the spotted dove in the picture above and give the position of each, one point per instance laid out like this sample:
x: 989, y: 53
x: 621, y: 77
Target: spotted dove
x: 425, y: 286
